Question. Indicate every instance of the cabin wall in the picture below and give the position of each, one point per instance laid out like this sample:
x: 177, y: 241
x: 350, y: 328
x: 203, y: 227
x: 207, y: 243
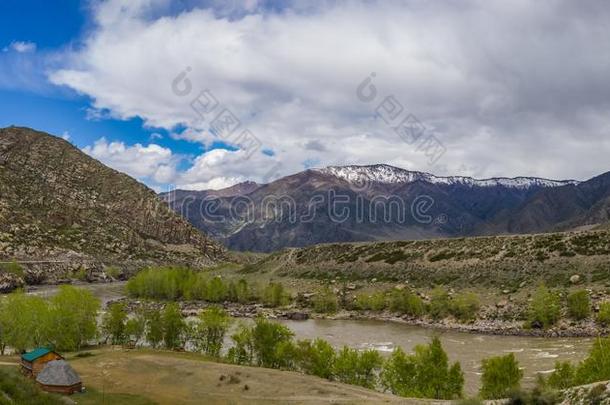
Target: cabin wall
x: 40, y: 362
x: 62, y: 390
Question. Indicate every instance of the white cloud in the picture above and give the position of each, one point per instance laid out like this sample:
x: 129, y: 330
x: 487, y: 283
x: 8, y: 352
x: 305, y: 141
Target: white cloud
x: 21, y: 46
x: 66, y: 135
x: 503, y: 100
x: 151, y: 162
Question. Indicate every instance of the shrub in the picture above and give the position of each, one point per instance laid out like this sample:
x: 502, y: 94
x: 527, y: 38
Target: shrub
x: 267, y: 336
x: 242, y: 351
x: 407, y: 303
x: 325, y: 301
x: 596, y: 367
x: 579, y: 304
x: 275, y: 296
x: 545, y: 308
x: 316, y: 357
x: 372, y: 302
x: 357, y: 368
x: 173, y: 326
x: 424, y: 374
x: 113, y: 323
x: 465, y: 306
x: 211, y: 328
x: 563, y: 376
x: 439, y: 303
x: 603, y: 316
x: 501, y: 375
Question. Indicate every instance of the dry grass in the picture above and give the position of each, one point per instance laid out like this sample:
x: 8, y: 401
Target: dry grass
x: 186, y: 378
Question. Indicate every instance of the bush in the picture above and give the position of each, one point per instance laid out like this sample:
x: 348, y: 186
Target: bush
x: 501, y: 375
x: 275, y: 296
x: 15, y: 389
x: 407, y: 303
x: 325, y: 301
x: 439, y: 303
x: 563, y: 376
x: 465, y: 306
x: 603, y: 316
x: 113, y: 323
x: 579, y: 304
x: 357, y: 368
x: 267, y: 337
x: 424, y: 374
x: 596, y: 367
x: 371, y: 302
x: 212, y: 326
x: 316, y: 358
x: 545, y: 308
x: 173, y: 326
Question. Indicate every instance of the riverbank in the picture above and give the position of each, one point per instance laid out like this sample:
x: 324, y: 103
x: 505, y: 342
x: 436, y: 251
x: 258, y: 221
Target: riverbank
x: 564, y: 328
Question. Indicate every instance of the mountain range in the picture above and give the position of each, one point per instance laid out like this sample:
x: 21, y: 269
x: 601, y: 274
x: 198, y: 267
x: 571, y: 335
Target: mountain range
x: 382, y: 202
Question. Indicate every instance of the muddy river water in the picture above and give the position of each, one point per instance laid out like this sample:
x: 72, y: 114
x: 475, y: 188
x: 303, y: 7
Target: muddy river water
x: 535, y: 355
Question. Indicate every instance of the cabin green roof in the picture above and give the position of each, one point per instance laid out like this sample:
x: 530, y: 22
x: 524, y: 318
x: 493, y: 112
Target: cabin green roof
x: 36, y: 353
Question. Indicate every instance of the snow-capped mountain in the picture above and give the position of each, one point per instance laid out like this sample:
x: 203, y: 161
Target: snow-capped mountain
x: 381, y: 202
x: 393, y: 175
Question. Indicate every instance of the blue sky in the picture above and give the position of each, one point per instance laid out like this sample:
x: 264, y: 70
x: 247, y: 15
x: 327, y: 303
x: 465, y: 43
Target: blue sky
x: 499, y: 101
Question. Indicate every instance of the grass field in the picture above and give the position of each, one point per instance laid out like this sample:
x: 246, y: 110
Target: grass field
x: 143, y: 377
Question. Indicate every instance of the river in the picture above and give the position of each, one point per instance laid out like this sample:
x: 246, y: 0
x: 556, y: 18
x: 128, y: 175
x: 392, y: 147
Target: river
x: 535, y: 355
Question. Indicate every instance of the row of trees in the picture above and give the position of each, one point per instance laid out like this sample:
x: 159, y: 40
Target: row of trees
x: 174, y: 283
x: 66, y: 321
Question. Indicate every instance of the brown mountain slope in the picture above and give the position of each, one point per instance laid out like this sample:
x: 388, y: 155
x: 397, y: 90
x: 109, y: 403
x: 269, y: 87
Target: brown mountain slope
x: 57, y: 203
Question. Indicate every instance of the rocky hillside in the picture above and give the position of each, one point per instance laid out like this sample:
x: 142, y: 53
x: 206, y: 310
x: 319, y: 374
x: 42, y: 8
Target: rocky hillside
x: 59, y: 205
x: 505, y: 262
x: 381, y: 202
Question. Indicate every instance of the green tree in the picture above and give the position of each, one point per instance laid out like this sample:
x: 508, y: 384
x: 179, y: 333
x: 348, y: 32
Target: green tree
x: 357, y: 368
x: 316, y: 357
x: 545, y: 308
x: 217, y: 291
x: 113, y: 323
x: 73, y: 316
x: 135, y: 327
x: 154, y: 328
x: 424, y: 374
x: 579, y: 304
x: 501, y: 375
x: 211, y: 329
x: 266, y: 337
x: 242, y: 351
x: 173, y: 326
x: 25, y: 321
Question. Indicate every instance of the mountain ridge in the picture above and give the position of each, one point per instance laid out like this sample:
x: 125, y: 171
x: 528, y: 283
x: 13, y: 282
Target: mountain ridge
x: 453, y: 206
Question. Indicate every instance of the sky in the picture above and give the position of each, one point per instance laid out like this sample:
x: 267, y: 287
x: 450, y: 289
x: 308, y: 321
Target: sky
x: 199, y: 94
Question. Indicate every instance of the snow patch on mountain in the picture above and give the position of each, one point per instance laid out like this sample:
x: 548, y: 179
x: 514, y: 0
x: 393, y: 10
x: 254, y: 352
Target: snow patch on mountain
x: 387, y: 174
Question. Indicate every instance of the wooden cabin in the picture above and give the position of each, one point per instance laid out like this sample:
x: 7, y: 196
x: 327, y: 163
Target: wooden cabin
x: 59, y: 377
x: 33, y: 362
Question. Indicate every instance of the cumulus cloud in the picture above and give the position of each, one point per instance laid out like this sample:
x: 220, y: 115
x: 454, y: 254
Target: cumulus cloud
x: 509, y: 89
x: 151, y: 162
